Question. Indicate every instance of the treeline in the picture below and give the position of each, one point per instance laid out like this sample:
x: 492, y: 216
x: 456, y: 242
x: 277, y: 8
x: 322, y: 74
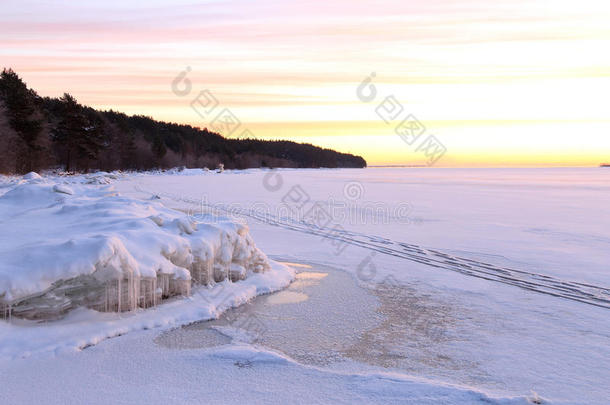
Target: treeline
x: 38, y: 133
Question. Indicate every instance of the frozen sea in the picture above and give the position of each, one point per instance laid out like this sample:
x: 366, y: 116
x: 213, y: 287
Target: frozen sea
x: 414, y: 285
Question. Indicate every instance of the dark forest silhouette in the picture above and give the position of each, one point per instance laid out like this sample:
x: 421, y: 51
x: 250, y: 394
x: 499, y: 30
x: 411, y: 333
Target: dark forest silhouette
x: 38, y: 133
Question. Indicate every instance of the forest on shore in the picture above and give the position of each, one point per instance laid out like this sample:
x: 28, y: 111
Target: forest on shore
x: 39, y: 133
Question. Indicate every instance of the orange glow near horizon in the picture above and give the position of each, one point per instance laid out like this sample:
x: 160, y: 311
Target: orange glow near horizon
x: 505, y: 83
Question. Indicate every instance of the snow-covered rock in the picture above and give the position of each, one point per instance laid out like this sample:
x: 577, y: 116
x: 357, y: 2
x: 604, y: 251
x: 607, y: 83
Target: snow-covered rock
x: 31, y: 176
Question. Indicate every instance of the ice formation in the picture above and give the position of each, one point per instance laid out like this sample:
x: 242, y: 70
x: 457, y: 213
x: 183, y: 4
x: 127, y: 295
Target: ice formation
x: 85, y: 245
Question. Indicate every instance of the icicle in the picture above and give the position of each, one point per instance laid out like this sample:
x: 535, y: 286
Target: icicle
x: 141, y: 297
x: 129, y: 292
x: 147, y: 292
x: 154, y: 292
x: 132, y: 292
x: 209, y: 270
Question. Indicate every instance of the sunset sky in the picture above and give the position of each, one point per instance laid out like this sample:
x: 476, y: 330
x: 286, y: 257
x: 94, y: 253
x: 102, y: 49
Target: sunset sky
x: 499, y: 83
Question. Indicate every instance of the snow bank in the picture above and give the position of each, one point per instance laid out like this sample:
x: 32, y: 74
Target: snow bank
x: 65, y: 246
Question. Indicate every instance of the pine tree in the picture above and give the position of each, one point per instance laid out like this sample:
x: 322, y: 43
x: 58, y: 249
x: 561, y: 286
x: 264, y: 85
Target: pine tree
x: 23, y: 118
x: 158, y: 148
x: 80, y: 138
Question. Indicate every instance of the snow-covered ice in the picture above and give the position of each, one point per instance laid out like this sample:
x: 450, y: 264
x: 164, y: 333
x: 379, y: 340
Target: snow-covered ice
x: 65, y: 243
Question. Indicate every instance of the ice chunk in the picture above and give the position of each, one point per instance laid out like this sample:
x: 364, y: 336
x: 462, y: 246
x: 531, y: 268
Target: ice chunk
x: 62, y: 188
x: 85, y: 245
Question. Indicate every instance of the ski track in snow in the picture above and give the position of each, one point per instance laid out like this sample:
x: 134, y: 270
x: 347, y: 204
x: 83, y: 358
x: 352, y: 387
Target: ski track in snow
x: 582, y: 292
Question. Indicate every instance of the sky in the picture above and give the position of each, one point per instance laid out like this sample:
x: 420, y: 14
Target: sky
x: 487, y: 83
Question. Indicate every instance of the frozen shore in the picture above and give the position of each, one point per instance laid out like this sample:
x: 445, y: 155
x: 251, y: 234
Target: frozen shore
x: 497, y: 291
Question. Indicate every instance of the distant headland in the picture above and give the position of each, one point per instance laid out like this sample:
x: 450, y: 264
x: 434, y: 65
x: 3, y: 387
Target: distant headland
x: 38, y: 133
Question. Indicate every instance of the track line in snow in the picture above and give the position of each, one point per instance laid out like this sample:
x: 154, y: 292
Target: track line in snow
x: 576, y: 291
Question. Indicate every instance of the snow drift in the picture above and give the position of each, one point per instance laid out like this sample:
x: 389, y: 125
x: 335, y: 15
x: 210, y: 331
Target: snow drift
x: 65, y: 246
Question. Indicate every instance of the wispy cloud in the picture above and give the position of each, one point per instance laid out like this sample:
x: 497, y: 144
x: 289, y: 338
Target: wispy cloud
x: 299, y: 61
